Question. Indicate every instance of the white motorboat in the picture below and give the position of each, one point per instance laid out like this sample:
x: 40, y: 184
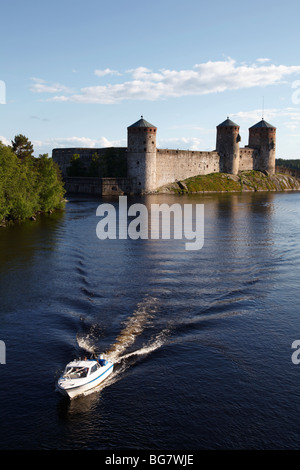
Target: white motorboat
x: 81, y: 375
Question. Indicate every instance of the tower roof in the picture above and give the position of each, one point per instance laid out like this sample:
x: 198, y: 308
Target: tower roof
x: 142, y: 123
x: 228, y: 123
x: 262, y: 124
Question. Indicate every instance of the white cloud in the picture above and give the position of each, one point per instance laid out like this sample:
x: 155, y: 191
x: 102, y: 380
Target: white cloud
x: 263, y: 59
x: 40, y: 86
x: 102, y: 73
x: 293, y: 114
x: 283, y: 118
x: 255, y: 115
x: 143, y: 73
x: 204, y: 78
x: 38, y: 118
x: 4, y: 140
x: 182, y: 143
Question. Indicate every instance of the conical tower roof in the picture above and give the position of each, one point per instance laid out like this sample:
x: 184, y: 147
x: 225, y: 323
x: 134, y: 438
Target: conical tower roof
x: 228, y: 123
x: 142, y: 123
x: 262, y: 124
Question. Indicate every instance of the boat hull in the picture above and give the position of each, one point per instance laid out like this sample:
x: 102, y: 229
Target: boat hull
x: 75, y: 391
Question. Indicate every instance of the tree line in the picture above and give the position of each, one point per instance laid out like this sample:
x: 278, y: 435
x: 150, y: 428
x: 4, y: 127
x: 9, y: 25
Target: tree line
x: 292, y: 164
x: 28, y: 185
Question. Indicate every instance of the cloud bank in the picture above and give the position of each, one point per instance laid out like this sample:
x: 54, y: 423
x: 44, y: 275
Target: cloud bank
x: 144, y: 84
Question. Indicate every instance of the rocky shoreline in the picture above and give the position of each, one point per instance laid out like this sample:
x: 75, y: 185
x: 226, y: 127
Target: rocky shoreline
x: 243, y: 182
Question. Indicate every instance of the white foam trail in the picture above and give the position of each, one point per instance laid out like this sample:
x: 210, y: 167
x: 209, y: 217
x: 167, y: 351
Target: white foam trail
x: 83, y: 343
x: 133, y: 327
x: 118, y: 372
x: 150, y: 347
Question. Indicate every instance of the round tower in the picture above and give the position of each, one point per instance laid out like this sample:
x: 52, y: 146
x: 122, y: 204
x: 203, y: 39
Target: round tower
x: 141, y: 155
x: 262, y: 136
x: 228, y: 146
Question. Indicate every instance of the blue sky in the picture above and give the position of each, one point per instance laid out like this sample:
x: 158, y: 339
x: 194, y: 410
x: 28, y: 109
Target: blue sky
x: 78, y: 73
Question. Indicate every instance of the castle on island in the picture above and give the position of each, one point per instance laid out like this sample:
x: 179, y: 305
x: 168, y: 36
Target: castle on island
x: 148, y: 168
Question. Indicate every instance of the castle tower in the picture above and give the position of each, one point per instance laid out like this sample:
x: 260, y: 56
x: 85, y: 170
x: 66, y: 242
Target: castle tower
x: 262, y: 136
x: 141, y: 159
x: 228, y: 146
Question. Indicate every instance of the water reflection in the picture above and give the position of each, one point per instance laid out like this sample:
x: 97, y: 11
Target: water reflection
x: 20, y: 241
x: 72, y: 409
x: 230, y: 309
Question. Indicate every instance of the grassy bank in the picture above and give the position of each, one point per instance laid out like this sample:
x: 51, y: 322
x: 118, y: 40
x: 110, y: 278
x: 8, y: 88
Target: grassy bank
x: 222, y: 182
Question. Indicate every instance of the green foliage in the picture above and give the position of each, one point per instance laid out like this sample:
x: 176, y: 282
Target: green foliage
x: 212, y: 182
x: 76, y: 167
x: 51, y: 190
x: 95, y: 166
x: 110, y: 164
x: 27, y: 185
x: 22, y: 147
x: 113, y: 163
x: 292, y: 164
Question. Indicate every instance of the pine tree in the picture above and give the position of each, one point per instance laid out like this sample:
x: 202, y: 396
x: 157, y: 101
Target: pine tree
x: 22, y: 147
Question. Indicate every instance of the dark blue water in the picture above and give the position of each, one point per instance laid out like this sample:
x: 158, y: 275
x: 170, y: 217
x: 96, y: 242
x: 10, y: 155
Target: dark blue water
x: 201, y: 339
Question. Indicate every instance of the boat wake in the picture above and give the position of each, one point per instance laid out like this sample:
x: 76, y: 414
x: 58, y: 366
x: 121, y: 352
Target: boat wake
x: 87, y: 341
x: 133, y: 327
x: 142, y: 318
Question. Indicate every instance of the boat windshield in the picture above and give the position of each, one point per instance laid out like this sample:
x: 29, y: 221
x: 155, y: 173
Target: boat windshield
x: 76, y: 372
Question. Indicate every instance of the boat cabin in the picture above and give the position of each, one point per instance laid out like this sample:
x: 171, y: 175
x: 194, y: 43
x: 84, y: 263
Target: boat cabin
x: 79, y: 370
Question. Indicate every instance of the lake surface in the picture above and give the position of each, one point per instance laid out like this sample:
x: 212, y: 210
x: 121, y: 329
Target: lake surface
x: 201, y: 339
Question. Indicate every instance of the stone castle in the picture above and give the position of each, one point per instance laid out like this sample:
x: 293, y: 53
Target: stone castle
x: 148, y: 167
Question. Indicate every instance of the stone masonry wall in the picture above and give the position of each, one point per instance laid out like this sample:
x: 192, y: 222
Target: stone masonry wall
x: 101, y: 186
x: 63, y: 156
x: 83, y: 185
x: 172, y: 165
x: 118, y: 186
x: 247, y: 156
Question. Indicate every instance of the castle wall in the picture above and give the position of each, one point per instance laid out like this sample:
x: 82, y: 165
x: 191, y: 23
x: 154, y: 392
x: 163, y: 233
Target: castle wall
x: 247, y: 157
x: 172, y: 165
x: 143, y: 169
x: 63, y: 156
x: 118, y: 186
x: 83, y: 185
x: 101, y: 186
